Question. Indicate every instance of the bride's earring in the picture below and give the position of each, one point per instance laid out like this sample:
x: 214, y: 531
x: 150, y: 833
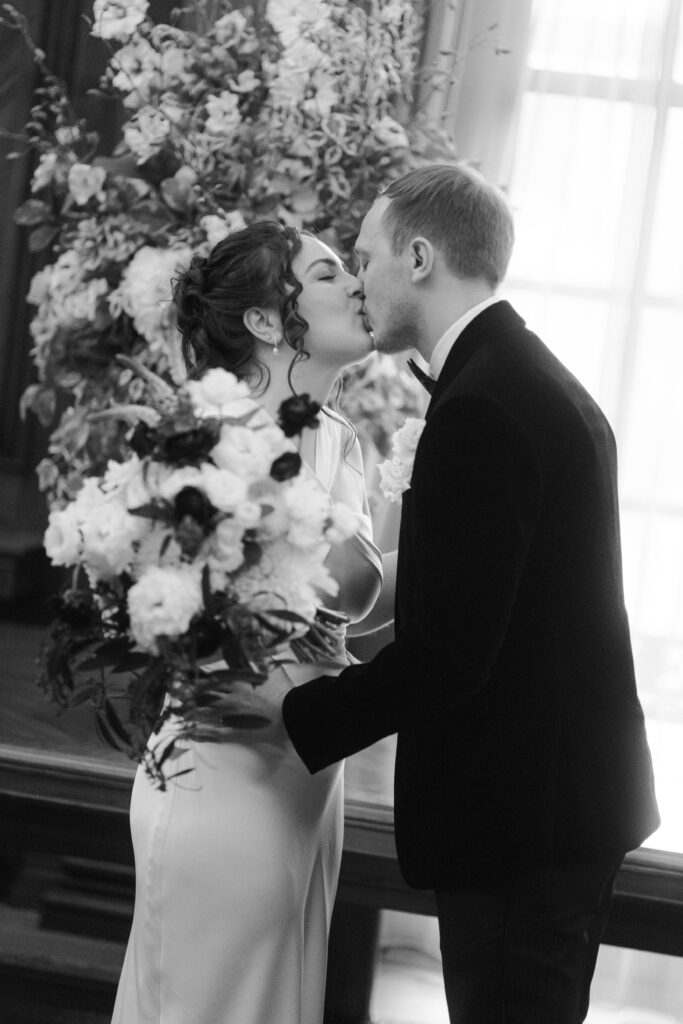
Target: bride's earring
x: 276, y: 343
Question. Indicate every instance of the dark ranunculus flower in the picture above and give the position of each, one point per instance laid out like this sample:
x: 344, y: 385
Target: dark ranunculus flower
x: 286, y: 466
x: 142, y: 440
x: 189, y: 536
x: 190, y: 501
x: 76, y: 608
x: 207, y: 636
x: 298, y: 412
x: 188, y: 447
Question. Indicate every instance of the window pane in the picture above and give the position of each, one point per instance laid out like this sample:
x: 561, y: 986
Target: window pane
x: 665, y: 274
x: 577, y: 189
x: 609, y: 37
x: 651, y: 459
x: 579, y: 331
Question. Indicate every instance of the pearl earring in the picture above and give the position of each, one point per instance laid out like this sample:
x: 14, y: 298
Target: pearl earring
x: 276, y: 343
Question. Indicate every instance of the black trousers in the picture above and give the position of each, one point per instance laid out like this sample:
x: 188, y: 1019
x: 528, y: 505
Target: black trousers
x: 524, y: 952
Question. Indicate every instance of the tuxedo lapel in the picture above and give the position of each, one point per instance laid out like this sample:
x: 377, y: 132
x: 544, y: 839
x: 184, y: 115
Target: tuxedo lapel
x: 494, y: 322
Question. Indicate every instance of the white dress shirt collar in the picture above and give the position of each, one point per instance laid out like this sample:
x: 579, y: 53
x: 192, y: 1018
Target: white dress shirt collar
x: 449, y: 337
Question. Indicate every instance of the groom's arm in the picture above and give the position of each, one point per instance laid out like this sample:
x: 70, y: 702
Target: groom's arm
x: 475, y: 497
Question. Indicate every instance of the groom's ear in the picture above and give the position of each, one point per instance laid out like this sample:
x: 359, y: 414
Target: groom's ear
x: 421, y: 253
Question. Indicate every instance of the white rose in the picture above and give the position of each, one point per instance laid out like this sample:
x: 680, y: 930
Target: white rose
x: 223, y: 114
x: 85, y: 182
x: 83, y: 303
x: 117, y: 19
x: 185, y: 476
x: 224, y: 489
x: 390, y: 133
x: 138, y: 73
x: 246, y: 82
x: 217, y: 228
x: 39, y: 290
x: 63, y: 537
x: 248, y: 514
x: 146, y: 132
x: 127, y: 481
x: 219, y: 393
x: 227, y: 553
x: 229, y: 29
x: 248, y: 452
x: 145, y: 293
x: 163, y: 603
x: 109, y: 535
x: 44, y: 172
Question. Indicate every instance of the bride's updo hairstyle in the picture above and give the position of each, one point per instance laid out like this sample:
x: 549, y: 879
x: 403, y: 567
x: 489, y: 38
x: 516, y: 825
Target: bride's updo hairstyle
x: 251, y: 267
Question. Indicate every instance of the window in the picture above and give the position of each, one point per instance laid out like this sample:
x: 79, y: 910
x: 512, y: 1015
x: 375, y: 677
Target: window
x: 596, y: 182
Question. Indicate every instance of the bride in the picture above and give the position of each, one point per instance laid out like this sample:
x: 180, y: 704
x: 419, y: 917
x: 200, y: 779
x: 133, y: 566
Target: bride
x: 237, y: 860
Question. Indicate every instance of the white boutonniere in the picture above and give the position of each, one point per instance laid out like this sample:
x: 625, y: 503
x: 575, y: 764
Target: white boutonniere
x: 396, y: 472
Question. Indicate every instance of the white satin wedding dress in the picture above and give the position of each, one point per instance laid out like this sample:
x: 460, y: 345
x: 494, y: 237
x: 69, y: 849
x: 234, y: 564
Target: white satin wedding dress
x: 237, y: 861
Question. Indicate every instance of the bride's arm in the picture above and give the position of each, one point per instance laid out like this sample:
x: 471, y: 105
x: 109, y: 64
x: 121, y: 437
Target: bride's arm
x: 381, y: 613
x: 359, y: 580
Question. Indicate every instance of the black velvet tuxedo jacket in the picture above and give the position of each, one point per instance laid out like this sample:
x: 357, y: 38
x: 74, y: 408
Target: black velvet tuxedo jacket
x: 510, y: 682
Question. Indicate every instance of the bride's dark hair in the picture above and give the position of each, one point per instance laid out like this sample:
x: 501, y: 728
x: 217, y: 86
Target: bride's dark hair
x: 251, y: 267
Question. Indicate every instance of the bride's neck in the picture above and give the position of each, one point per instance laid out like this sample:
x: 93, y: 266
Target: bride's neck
x: 313, y: 380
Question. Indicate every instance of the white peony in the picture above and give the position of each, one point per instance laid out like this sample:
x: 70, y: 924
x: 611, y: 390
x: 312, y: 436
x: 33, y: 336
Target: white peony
x: 308, y: 507
x: 163, y: 603
x: 85, y: 182
x: 225, y: 490
x: 63, y: 537
x: 248, y: 452
x: 118, y: 19
x: 220, y: 393
x: 285, y: 578
x: 342, y: 523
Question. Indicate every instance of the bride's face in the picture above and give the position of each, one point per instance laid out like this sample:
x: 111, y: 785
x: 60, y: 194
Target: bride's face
x: 331, y: 302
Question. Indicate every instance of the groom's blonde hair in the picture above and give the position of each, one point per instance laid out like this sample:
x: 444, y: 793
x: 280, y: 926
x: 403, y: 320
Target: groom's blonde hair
x: 459, y: 212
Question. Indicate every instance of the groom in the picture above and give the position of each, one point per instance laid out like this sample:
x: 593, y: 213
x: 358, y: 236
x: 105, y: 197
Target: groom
x: 522, y: 769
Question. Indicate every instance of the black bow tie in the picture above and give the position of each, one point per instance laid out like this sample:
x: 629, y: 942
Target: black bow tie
x: 425, y: 380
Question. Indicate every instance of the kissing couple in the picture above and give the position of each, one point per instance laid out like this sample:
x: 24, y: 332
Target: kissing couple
x: 523, y: 774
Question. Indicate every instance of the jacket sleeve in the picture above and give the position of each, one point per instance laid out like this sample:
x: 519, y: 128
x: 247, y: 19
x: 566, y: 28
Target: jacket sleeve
x: 471, y: 511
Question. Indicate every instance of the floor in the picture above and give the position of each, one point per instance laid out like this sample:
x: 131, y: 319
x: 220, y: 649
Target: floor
x: 629, y: 987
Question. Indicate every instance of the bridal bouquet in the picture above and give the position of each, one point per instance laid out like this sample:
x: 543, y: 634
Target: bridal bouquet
x: 231, y: 113
x: 206, y: 542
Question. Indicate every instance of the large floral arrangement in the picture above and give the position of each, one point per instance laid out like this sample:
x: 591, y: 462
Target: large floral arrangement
x: 232, y: 113
x: 208, y: 541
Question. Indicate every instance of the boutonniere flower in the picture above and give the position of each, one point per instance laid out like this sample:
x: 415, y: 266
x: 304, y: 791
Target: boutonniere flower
x: 396, y: 472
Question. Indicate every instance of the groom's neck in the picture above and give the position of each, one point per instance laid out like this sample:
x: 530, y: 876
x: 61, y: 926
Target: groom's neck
x: 451, y: 300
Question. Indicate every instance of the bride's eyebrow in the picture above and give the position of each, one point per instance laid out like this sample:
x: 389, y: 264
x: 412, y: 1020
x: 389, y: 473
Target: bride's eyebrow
x: 326, y: 260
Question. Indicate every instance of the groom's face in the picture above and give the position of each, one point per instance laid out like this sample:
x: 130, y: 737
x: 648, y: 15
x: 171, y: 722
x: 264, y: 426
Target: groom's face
x: 385, y: 281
